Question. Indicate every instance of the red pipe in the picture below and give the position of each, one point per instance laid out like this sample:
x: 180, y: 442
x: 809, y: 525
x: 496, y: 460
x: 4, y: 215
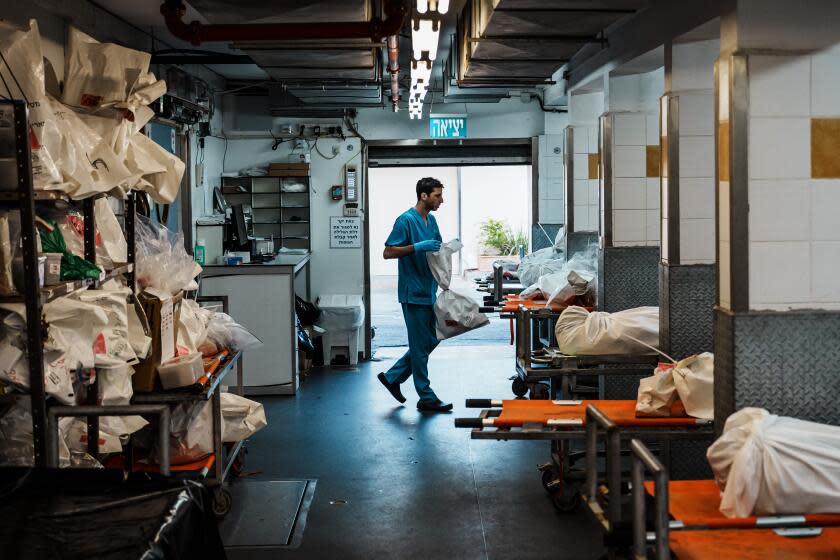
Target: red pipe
x: 394, y: 69
x: 196, y: 32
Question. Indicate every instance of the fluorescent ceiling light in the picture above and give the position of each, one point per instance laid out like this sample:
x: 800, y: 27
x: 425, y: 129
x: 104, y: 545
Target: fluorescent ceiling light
x: 442, y: 6
x: 424, y: 38
x: 422, y: 6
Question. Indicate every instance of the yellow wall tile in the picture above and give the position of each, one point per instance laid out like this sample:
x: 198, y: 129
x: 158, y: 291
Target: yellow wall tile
x: 825, y: 148
x: 652, y: 160
x: 723, y: 150
x: 594, y: 160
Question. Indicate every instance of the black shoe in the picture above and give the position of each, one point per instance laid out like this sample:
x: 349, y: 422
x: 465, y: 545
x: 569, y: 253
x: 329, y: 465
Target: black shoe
x: 393, y: 388
x: 437, y: 406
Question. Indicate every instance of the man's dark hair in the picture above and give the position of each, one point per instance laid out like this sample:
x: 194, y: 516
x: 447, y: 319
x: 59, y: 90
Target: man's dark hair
x: 427, y: 185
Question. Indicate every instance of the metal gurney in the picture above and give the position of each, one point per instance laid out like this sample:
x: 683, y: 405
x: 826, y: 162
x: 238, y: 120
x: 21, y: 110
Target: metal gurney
x: 618, y: 426
x: 537, y: 363
x: 687, y: 522
x: 561, y: 422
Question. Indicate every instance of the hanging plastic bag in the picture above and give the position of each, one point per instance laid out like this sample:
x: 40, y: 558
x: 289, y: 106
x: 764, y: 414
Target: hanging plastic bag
x: 657, y: 393
x: 455, y: 313
x: 162, y: 262
x: 115, y: 389
x: 162, y: 172
x: 241, y: 418
x: 775, y: 465
x: 74, y: 327
x: 7, y: 255
x: 192, y: 325
x: 58, y: 378
x: 191, y: 437
x: 16, y: 442
x: 111, y: 346
x: 632, y: 331
x: 543, y: 261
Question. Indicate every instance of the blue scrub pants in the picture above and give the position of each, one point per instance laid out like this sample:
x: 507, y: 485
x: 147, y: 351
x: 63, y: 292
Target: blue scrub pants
x: 422, y: 339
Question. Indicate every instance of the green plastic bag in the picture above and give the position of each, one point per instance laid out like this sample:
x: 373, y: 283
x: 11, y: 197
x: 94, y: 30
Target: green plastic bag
x: 72, y: 267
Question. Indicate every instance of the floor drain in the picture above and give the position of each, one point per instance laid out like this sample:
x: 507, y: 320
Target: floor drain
x: 338, y: 502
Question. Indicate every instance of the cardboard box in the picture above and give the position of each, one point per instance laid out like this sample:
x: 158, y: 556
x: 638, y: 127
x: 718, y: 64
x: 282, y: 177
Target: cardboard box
x: 162, y: 311
x: 296, y: 166
x: 288, y: 170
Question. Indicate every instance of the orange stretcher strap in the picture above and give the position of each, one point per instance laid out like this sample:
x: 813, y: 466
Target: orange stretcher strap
x: 512, y: 303
x: 697, y: 503
x: 754, y: 544
x: 515, y: 413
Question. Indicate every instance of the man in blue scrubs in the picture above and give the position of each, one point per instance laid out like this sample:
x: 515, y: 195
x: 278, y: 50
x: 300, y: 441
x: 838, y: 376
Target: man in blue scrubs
x: 415, y: 233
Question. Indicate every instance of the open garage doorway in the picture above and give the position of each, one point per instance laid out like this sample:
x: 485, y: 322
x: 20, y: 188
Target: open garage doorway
x: 477, y: 198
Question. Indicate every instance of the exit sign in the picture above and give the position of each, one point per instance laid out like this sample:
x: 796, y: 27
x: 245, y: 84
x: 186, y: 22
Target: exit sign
x: 447, y: 126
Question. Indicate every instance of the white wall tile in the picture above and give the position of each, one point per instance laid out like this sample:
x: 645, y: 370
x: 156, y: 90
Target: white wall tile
x: 594, y: 223
x: 825, y: 83
x: 629, y: 225
x: 693, y: 64
x: 629, y: 161
x: 542, y: 208
x: 554, y: 166
x: 652, y: 225
x: 780, y: 148
x: 652, y: 129
x: 629, y: 194
x: 723, y: 207
x: 697, y: 113
x: 543, y: 149
x: 697, y: 156
x: 555, y: 211
x: 724, y: 276
x: 779, y: 210
x: 552, y: 142
x: 697, y: 197
x: 594, y: 192
x: 780, y: 85
x: 825, y: 271
x: 542, y: 188
x: 697, y: 241
x: 582, y: 218
x: 555, y: 188
x: 629, y: 129
x: 581, y: 166
x: 825, y: 210
x: 592, y: 134
x: 581, y: 192
x: 581, y: 140
x: 652, y: 193
x: 780, y: 272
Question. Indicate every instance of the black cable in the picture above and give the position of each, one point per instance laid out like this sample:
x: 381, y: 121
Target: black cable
x: 12, y: 74
x: 549, y: 109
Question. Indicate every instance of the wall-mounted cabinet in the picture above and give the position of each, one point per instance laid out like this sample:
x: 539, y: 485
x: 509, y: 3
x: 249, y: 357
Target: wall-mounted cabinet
x: 278, y: 206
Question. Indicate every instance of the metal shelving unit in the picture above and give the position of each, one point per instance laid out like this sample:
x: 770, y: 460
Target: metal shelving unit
x: 14, y: 141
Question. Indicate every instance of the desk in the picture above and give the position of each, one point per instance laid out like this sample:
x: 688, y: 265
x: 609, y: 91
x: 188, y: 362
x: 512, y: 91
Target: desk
x: 261, y: 297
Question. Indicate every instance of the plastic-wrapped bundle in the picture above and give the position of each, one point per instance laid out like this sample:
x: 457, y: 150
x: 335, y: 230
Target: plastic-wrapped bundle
x: 544, y: 261
x: 573, y: 283
x: 691, y: 380
x: 633, y: 331
x: 162, y: 261
x: 773, y: 465
x: 241, y: 417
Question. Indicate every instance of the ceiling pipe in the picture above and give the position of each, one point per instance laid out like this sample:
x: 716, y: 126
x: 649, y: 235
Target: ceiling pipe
x: 394, y: 69
x: 197, y: 33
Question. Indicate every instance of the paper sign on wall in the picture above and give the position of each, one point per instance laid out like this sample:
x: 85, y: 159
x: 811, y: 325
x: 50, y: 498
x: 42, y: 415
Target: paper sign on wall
x: 345, y: 233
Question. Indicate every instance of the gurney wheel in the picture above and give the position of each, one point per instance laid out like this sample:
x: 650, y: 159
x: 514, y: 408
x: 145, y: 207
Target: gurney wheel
x: 548, y: 477
x: 222, y: 502
x: 566, y: 502
x: 519, y: 387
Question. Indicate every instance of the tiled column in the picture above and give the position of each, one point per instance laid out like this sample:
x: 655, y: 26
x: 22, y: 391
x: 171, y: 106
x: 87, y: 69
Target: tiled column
x: 629, y: 139
x: 687, y: 269
x: 777, y: 337
x: 581, y: 175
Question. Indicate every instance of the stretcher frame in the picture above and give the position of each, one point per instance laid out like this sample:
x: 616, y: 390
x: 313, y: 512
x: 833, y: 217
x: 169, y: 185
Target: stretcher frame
x: 563, y: 458
x: 536, y: 363
x: 643, y: 460
x: 609, y: 515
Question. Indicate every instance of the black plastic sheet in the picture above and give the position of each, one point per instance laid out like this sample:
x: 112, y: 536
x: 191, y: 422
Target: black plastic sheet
x: 78, y: 514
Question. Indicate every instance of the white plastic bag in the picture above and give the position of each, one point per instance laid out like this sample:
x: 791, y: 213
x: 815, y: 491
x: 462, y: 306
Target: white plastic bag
x: 657, y: 393
x: 191, y: 437
x: 58, y: 379
x: 543, y: 261
x: 192, y: 325
x: 632, y: 331
x: 241, y: 417
x: 694, y: 379
x: 112, y: 345
x: 224, y: 332
x: 691, y: 380
x: 115, y: 389
x: 455, y: 313
x: 162, y: 262
x: 16, y: 441
x: 774, y: 465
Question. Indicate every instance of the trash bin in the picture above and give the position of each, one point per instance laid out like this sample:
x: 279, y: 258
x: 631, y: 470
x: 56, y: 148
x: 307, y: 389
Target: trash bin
x: 342, y: 318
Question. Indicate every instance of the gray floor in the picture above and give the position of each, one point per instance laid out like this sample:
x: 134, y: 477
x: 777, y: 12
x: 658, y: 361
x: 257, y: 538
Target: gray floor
x: 414, y: 486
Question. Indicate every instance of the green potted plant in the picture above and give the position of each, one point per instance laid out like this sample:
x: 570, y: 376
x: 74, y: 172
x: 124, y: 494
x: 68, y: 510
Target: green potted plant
x: 497, y: 239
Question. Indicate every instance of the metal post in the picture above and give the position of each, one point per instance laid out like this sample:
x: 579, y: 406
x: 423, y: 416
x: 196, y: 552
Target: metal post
x: 31, y: 290
x: 130, y: 220
x: 92, y: 389
x: 643, y: 457
x: 591, y: 454
x: 639, y: 544
x: 614, y: 474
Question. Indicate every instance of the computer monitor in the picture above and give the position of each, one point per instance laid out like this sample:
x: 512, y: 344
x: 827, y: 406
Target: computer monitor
x: 219, y: 202
x: 239, y: 225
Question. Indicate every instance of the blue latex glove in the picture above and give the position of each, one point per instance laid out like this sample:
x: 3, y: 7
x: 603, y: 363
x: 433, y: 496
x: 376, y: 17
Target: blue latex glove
x: 432, y: 245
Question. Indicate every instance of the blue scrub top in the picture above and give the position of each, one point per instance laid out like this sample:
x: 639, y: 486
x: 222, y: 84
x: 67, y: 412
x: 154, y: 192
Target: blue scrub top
x: 416, y: 283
